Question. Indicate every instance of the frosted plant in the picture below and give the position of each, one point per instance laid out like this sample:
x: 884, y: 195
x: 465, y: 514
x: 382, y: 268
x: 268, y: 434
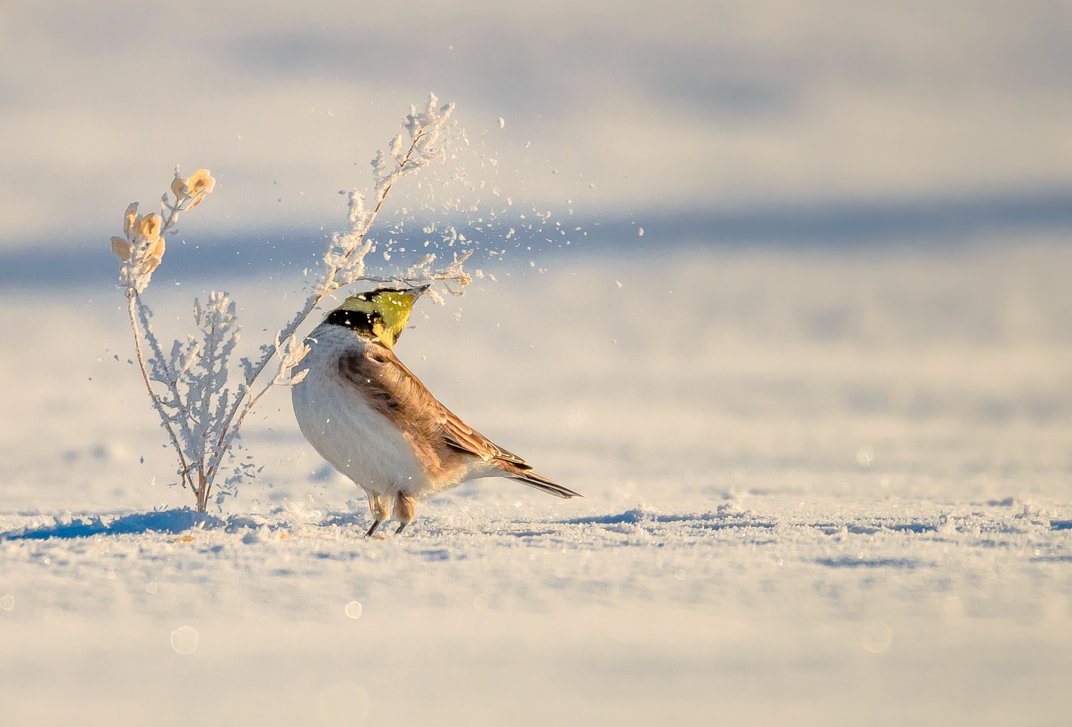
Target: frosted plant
x: 188, y: 384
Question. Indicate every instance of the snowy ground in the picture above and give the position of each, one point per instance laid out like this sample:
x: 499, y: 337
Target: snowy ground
x: 825, y: 487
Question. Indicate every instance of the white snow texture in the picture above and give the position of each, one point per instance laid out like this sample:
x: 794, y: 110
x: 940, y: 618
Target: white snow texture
x: 820, y: 488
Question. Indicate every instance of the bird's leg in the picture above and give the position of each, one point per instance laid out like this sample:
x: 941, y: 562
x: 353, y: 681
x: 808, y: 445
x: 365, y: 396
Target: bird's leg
x: 405, y: 509
x: 379, y: 512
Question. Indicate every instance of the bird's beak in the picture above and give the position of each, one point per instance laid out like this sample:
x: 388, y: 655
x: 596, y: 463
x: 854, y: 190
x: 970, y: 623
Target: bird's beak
x: 419, y: 290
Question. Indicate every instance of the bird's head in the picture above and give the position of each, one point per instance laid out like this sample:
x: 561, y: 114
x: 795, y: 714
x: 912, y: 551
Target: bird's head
x: 379, y: 314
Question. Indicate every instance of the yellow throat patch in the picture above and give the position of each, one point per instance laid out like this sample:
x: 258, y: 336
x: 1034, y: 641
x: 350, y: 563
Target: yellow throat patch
x: 387, y: 311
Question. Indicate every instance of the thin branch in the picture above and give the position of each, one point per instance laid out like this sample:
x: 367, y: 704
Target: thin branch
x: 318, y: 295
x: 131, y: 294
x: 203, y: 424
x: 171, y: 382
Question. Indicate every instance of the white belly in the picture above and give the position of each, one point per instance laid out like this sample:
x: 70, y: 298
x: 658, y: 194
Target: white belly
x: 355, y: 439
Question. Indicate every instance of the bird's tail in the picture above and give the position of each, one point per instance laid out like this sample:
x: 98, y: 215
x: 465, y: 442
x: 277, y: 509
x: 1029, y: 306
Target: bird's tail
x: 540, y: 482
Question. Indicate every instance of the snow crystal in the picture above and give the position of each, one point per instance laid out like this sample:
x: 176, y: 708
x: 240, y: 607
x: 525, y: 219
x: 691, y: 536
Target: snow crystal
x: 184, y: 640
x: 877, y: 637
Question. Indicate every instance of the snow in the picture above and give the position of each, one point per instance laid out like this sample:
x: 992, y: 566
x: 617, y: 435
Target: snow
x: 822, y: 486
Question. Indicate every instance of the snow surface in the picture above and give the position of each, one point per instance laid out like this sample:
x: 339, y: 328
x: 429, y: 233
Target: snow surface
x: 822, y: 487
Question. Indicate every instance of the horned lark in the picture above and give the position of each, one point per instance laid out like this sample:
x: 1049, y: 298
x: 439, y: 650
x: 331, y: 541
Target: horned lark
x: 374, y: 421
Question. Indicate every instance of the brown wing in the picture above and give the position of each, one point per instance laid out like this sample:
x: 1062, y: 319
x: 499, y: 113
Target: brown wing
x: 395, y: 392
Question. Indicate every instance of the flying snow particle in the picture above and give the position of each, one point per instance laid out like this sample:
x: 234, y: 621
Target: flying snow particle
x: 640, y: 232
x: 353, y: 609
x: 576, y: 419
x: 877, y: 637
x: 7, y: 602
x: 502, y: 122
x: 184, y: 640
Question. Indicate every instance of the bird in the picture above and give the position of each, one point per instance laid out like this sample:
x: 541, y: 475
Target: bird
x: 374, y: 421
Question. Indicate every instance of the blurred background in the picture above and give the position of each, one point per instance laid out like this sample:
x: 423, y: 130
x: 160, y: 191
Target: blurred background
x: 789, y: 303
x: 842, y: 213
x: 732, y: 122
x: 853, y: 219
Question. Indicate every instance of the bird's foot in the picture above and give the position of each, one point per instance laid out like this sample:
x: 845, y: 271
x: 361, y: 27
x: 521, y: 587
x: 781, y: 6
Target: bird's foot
x: 372, y: 530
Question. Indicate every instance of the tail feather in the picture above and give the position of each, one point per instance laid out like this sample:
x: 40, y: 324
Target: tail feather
x: 532, y: 479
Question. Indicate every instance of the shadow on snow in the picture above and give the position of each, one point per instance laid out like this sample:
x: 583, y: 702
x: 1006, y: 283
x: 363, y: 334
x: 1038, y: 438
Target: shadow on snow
x: 709, y: 520
x: 158, y: 521
x: 850, y: 562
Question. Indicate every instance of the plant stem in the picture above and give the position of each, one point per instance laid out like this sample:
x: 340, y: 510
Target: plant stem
x: 354, y: 247
x: 132, y: 312
x: 245, y: 393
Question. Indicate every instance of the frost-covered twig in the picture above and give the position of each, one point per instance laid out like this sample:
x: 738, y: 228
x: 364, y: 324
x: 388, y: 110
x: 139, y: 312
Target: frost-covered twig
x: 141, y: 251
x: 188, y: 385
x: 344, y: 260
